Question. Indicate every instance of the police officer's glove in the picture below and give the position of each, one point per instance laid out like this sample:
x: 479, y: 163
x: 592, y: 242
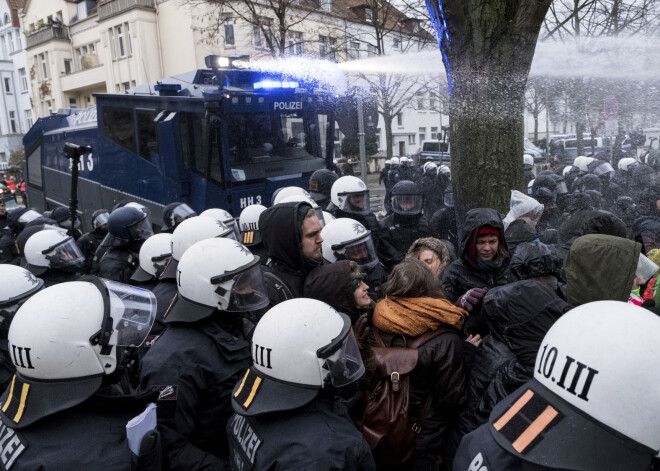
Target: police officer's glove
x: 471, y: 298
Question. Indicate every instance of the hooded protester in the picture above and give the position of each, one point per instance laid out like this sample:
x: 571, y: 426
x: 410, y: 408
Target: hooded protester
x: 483, y: 263
x: 414, y: 306
x: 519, y: 315
x: 544, y: 190
x: 291, y: 233
x: 646, y: 230
x: 536, y: 261
x: 341, y: 285
x: 520, y: 223
x: 433, y: 252
x: 601, y: 267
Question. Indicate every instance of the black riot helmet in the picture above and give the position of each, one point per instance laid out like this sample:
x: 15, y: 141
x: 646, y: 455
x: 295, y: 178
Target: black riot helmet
x: 100, y: 219
x: 128, y: 223
x: 407, y: 198
x: 590, y: 182
x: 320, y: 185
x: 175, y: 213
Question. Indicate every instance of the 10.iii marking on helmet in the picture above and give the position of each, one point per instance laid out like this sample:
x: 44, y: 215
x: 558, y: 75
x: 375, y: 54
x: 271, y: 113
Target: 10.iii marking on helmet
x: 546, y: 365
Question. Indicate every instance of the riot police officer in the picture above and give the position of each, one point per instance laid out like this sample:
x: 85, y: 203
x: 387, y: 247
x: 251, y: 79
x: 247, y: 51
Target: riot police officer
x: 90, y: 241
x: 286, y: 416
x: 54, y: 256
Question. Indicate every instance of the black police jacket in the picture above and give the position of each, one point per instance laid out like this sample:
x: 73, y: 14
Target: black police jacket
x: 319, y: 436
x: 91, y: 435
x: 203, y: 361
x: 88, y: 244
x: 119, y: 264
x: 402, y: 232
x: 8, y: 252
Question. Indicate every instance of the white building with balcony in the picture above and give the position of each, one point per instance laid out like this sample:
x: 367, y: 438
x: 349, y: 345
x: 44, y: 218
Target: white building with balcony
x: 15, y: 110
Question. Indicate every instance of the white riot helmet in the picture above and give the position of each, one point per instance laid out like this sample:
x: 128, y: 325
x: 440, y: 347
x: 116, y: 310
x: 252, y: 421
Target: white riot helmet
x: 190, y: 231
x: 528, y: 160
x: 444, y: 170
x: 217, y: 274
x: 578, y: 159
x: 154, y: 255
x: 299, y: 347
x: 405, y: 161
x: 394, y: 161
x: 350, y: 195
x: 281, y: 193
x: 64, y: 340
x: 347, y: 239
x: 430, y: 167
x: 567, y: 170
x: 18, y: 284
x: 583, y: 164
x: 310, y: 201
x: 224, y: 217
x: 592, y: 397
x: 627, y: 164
x: 327, y: 217
x: 388, y: 162
x: 28, y: 216
x: 52, y: 248
x: 249, y: 224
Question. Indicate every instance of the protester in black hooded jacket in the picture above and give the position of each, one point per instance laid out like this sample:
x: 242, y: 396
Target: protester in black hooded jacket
x: 286, y: 228
x: 518, y: 315
x: 646, y: 230
x: 471, y: 271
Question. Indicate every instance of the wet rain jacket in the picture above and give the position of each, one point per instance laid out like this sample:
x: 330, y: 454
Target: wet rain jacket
x: 519, y: 315
x: 601, y: 267
x: 464, y: 274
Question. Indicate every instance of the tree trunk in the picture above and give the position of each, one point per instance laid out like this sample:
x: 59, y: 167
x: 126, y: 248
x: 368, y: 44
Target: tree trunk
x: 388, y: 135
x: 488, y: 46
x: 536, y: 127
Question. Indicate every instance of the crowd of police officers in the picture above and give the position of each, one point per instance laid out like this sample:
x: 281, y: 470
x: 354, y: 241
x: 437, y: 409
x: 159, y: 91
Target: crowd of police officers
x: 210, y: 319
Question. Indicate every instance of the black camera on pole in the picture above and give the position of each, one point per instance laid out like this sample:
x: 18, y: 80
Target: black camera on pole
x: 74, y: 152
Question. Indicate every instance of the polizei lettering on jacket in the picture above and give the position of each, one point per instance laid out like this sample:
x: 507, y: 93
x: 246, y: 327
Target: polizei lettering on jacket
x: 11, y: 446
x: 244, y: 443
x: 287, y: 105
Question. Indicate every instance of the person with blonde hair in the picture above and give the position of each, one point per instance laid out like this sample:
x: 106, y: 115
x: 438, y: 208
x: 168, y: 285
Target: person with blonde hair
x: 433, y: 252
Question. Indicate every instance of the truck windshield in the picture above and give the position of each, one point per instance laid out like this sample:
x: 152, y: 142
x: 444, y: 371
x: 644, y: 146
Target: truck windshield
x: 263, y: 145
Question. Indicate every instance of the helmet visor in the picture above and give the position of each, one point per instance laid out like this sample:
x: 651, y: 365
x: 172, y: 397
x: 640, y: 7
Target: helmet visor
x: 356, y: 203
x: 407, y: 204
x: 28, y: 216
x: 561, y: 187
x: 64, y: 254
x: 645, y: 268
x: 133, y: 311
x: 141, y: 230
x: 602, y: 169
x: 319, y: 214
x: 449, y: 199
x: 362, y: 252
x: 343, y: 361
x: 181, y: 213
x: 248, y: 291
x: 100, y: 220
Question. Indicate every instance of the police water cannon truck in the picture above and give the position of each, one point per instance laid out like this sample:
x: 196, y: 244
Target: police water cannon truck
x: 223, y: 137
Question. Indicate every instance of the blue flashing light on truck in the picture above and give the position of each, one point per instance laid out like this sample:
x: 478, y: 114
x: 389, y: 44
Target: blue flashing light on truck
x: 223, y: 137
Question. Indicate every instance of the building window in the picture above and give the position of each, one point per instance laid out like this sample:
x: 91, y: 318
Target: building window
x: 396, y: 43
x: 399, y: 119
x: 6, y: 18
x: 67, y: 66
x: 229, y: 32
x: 17, y: 35
x: 368, y: 15
x: 256, y: 36
x: 22, y: 75
x: 28, y: 118
x: 411, y: 138
x: 378, y: 136
x: 120, y: 37
x: 73, y: 103
x: 371, y: 50
x: 125, y: 86
x: 49, y: 107
x: 7, y: 83
x: 44, y: 66
x: 294, y: 43
x: 327, y: 47
x: 354, y: 50
x: 434, y: 133
x: 10, y: 42
x: 420, y: 101
x: 12, y: 122
x: 326, y: 5
x: 3, y: 44
x: 422, y: 134
x: 432, y: 104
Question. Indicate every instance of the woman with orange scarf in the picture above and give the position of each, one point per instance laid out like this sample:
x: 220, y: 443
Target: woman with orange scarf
x: 414, y: 305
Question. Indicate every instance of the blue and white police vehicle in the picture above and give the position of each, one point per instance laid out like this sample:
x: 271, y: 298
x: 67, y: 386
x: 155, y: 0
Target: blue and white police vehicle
x: 222, y: 137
